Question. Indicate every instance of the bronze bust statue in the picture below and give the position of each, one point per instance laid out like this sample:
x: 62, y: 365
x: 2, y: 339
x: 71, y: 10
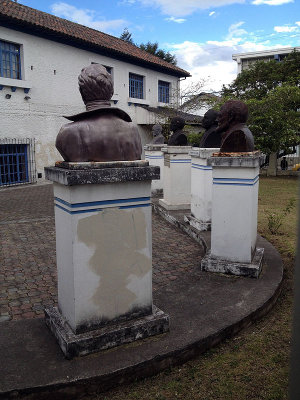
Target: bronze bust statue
x: 102, y: 132
x: 211, y: 137
x: 178, y: 138
x: 157, y: 135
x: 236, y: 136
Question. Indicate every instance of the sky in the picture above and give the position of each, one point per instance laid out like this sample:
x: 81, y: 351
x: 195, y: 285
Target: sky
x: 202, y: 34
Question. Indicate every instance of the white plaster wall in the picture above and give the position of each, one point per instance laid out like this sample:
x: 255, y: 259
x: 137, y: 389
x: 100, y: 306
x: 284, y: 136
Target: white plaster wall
x: 234, y: 214
x: 104, y: 258
x: 156, y: 157
x: 64, y: 259
x: 201, y: 184
x: 177, y: 175
x: 54, y: 94
x: 146, y: 136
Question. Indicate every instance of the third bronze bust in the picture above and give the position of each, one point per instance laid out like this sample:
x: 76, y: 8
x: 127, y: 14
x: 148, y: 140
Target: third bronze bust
x: 236, y: 136
x: 211, y: 137
x: 178, y: 138
x: 157, y: 134
x: 102, y: 132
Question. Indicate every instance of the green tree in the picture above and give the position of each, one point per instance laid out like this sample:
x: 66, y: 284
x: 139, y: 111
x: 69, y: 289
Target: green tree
x: 275, y: 120
x: 153, y: 48
x: 262, y: 77
x: 127, y: 36
x: 272, y: 91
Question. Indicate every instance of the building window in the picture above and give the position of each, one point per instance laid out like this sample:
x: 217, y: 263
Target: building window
x: 17, y: 162
x: 280, y: 57
x: 248, y: 62
x: 13, y: 164
x: 136, y: 86
x: 10, y: 61
x: 163, y: 92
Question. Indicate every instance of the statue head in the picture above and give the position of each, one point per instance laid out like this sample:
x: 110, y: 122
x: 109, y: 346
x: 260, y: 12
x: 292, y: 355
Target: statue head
x: 177, y: 123
x: 156, y: 130
x: 210, y: 118
x: 231, y: 113
x: 95, y: 83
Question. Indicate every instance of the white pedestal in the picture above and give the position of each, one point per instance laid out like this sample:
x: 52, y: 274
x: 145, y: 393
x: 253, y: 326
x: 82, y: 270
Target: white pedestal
x: 104, y: 248
x: 234, y: 215
x: 177, y: 178
x: 201, y: 188
x: 155, y: 156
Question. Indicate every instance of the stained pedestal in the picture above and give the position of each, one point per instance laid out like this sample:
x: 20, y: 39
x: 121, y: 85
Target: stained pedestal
x: 104, y: 255
x: 177, y: 178
x: 234, y: 215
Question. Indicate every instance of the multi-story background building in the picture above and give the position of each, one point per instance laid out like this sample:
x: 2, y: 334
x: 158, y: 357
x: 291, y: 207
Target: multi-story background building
x: 41, y: 57
x: 244, y: 60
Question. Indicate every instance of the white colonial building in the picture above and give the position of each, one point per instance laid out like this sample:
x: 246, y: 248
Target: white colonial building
x: 41, y: 57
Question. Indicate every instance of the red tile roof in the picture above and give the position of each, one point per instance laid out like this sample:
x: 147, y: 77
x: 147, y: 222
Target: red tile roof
x: 37, y: 22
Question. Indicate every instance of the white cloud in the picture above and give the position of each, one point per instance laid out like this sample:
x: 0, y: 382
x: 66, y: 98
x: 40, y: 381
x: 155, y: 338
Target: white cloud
x: 234, y: 30
x: 285, y: 28
x: 272, y: 2
x: 297, y: 23
x: 177, y: 20
x: 183, y: 8
x: 211, y: 13
x: 127, y: 2
x: 86, y: 17
x: 214, y: 58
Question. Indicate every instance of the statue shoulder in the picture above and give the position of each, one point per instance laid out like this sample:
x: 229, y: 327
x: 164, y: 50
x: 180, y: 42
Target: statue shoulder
x: 238, y: 139
x: 64, y: 131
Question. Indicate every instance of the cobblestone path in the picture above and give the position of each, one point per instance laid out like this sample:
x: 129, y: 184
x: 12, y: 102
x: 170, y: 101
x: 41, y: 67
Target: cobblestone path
x: 27, y: 252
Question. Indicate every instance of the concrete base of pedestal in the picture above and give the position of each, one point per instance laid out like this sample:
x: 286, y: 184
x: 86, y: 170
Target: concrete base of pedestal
x: 112, y: 335
x: 197, y: 224
x: 168, y: 206
x: 252, y: 270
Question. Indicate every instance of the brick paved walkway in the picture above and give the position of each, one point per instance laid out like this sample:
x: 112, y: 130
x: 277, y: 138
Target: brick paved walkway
x: 27, y: 250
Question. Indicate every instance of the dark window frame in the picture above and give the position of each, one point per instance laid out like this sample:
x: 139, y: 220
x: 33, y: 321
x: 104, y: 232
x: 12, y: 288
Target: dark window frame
x: 10, y: 60
x: 163, y: 91
x: 136, y: 86
x: 13, y: 163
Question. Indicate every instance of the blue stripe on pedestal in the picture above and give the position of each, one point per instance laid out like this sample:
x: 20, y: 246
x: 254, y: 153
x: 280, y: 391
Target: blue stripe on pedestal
x: 236, y: 181
x: 180, y: 161
x: 202, y: 167
x: 154, y: 157
x: 88, y: 207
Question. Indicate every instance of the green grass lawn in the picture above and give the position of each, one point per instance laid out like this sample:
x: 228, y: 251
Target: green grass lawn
x: 255, y: 364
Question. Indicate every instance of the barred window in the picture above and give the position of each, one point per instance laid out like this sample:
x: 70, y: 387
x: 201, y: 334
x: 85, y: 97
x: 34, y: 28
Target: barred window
x: 163, y: 92
x: 136, y: 86
x: 17, y: 161
x: 10, y: 61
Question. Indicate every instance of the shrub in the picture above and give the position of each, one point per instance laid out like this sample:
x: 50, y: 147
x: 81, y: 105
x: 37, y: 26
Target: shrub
x: 275, y: 219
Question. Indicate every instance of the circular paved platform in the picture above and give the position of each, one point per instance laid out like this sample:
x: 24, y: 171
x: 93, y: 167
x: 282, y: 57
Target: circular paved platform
x: 204, y: 309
